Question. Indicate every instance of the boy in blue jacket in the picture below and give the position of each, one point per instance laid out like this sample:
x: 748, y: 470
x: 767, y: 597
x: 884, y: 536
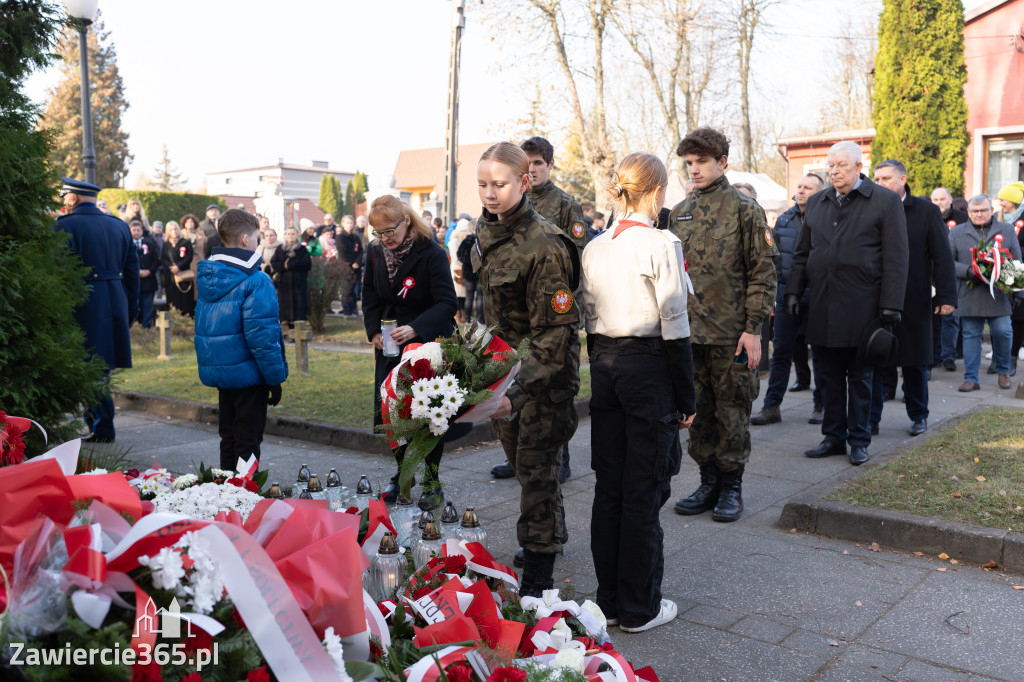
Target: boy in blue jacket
x: 238, y: 338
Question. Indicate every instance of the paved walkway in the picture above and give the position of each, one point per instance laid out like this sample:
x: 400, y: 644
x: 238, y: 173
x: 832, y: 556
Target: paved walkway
x: 756, y: 602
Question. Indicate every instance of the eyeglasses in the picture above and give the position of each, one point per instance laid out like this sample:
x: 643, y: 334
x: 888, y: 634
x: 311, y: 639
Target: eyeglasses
x: 842, y: 165
x: 387, y: 233
x: 980, y: 211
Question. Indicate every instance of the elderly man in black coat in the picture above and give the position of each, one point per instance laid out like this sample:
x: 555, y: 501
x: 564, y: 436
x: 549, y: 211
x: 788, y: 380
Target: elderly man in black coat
x: 852, y: 253
x: 931, y: 264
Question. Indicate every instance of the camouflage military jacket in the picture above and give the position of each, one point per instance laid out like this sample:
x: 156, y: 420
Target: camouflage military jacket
x: 729, y: 253
x: 562, y: 211
x: 528, y: 271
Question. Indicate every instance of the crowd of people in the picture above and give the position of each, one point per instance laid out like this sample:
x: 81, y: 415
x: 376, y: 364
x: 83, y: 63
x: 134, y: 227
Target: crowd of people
x: 678, y: 305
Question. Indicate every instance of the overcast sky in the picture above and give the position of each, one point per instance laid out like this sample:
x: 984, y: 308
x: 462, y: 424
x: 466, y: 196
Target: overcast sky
x: 232, y: 84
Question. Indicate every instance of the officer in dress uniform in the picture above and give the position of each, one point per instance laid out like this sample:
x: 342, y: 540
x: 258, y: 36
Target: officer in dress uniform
x: 105, y: 245
x: 730, y: 255
x: 565, y: 213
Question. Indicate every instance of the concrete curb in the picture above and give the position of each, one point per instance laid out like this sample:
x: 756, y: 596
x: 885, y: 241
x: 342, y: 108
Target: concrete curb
x: 905, y: 531
x: 324, y: 433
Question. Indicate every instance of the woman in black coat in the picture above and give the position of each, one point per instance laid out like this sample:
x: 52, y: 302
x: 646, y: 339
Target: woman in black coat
x: 406, y: 279
x: 292, y: 262
x: 176, y: 258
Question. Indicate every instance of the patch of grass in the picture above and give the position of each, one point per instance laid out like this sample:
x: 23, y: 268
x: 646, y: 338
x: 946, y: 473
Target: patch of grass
x: 340, y: 390
x: 972, y: 473
x: 342, y: 330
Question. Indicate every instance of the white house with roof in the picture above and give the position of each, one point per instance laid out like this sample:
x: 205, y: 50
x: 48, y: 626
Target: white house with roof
x: 283, y: 192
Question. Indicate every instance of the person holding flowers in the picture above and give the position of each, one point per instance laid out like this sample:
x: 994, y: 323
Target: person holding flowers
x: 641, y: 367
x: 976, y: 303
x: 406, y: 279
x: 528, y: 271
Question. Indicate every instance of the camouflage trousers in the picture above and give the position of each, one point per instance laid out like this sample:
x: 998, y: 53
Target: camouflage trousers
x: 533, y: 443
x: 720, y: 434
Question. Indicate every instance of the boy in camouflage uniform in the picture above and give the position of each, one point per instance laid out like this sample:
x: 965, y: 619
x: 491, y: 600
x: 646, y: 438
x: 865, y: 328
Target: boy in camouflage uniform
x: 729, y: 253
x: 565, y: 213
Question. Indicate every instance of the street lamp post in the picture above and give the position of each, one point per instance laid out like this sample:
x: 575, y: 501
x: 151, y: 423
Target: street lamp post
x: 452, y: 141
x: 85, y: 12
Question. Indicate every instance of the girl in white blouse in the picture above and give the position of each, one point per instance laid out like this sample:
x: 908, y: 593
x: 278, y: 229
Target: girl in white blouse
x: 634, y: 296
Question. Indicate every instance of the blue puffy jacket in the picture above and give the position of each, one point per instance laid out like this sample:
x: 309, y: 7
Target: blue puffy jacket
x: 787, y: 230
x: 238, y: 336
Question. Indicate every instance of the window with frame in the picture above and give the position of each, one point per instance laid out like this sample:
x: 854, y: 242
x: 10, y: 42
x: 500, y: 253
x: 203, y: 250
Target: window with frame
x: 1002, y: 162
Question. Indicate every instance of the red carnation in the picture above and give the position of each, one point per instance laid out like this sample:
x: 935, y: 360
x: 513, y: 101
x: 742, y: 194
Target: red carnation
x: 258, y: 675
x: 459, y: 672
x: 422, y: 592
x: 12, y: 446
x: 421, y: 369
x: 252, y: 486
x: 454, y: 564
x: 131, y: 474
x: 237, y: 482
x: 192, y: 677
x: 507, y: 674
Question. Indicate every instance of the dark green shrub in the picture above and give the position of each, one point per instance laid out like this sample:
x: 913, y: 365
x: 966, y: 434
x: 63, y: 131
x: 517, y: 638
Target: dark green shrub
x: 163, y: 206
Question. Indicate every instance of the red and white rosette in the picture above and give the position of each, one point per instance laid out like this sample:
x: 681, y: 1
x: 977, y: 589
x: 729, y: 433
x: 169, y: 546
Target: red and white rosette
x: 407, y: 284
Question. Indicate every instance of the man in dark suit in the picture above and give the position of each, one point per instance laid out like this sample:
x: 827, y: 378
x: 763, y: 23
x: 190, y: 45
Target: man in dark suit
x: 852, y: 253
x: 947, y: 327
x: 930, y: 263
x: 149, y: 261
x: 105, y: 245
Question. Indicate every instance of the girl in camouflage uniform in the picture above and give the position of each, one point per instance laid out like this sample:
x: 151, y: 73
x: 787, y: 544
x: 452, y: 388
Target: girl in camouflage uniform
x: 528, y: 270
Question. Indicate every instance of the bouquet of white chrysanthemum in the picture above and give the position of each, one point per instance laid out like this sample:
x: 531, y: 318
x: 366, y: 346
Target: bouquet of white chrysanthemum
x: 461, y: 378
x: 204, y: 501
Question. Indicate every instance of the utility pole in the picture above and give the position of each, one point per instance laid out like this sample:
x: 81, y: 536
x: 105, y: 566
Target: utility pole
x: 452, y: 136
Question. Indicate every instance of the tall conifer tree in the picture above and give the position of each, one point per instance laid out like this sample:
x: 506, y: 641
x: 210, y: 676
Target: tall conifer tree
x: 63, y: 114
x: 47, y: 373
x: 920, y: 114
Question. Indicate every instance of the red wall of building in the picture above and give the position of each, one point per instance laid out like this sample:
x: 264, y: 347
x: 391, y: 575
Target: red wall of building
x: 995, y: 77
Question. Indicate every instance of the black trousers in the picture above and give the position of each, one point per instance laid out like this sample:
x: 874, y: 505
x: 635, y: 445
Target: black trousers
x: 242, y: 417
x: 636, y: 451
x: 847, y: 393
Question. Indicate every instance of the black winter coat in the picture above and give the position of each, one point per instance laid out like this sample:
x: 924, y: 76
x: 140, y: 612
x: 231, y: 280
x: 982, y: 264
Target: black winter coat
x: 930, y: 262
x: 954, y: 218
x: 149, y: 259
x: 853, y: 259
x: 350, y: 248
x: 293, y: 281
x: 428, y: 305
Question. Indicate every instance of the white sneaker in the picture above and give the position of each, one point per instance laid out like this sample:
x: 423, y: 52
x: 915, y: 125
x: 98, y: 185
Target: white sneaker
x: 667, y: 614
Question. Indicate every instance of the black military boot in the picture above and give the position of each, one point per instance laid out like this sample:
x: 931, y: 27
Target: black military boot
x: 730, y: 502
x: 537, y: 572
x: 705, y: 496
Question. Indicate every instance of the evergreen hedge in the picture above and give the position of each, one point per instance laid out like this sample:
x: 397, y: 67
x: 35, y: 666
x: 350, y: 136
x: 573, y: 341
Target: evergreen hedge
x: 920, y: 113
x: 163, y: 206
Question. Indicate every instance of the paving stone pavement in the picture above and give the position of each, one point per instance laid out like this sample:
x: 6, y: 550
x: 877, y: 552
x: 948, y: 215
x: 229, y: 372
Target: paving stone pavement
x: 756, y: 602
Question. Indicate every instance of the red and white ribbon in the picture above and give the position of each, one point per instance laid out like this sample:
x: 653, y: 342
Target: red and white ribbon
x: 265, y: 602
x: 407, y: 284
x: 426, y: 669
